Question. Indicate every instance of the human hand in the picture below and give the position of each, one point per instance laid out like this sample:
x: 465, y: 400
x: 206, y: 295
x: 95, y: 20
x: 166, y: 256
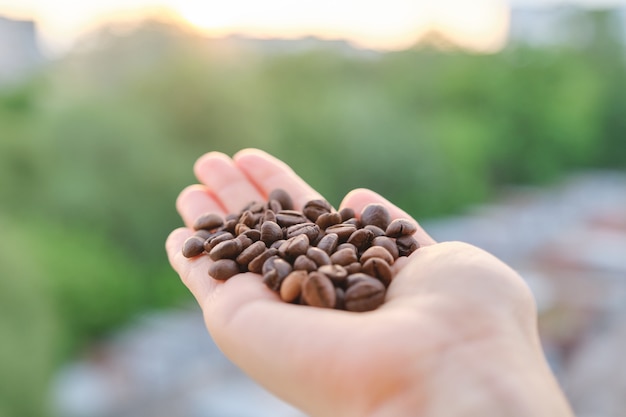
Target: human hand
x: 455, y: 336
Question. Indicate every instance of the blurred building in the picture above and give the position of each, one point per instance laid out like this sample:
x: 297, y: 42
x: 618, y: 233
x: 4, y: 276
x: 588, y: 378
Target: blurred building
x: 19, y: 49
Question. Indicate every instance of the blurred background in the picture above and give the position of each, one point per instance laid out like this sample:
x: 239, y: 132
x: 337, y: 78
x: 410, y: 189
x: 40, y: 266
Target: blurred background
x: 498, y: 123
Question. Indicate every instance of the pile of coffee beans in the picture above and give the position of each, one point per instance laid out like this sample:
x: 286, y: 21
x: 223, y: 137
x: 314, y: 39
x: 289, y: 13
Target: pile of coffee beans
x: 318, y: 256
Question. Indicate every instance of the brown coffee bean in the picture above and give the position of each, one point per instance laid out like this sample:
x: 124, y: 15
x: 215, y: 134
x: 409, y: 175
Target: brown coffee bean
x: 376, y: 214
x: 256, y: 265
x: 328, y: 243
x: 230, y: 225
x: 295, y: 246
x: 355, y: 222
x: 268, y: 216
x: 328, y: 219
x: 314, y: 208
x: 248, y: 218
x: 223, y: 269
x: 336, y: 273
x: 241, y: 228
x: 346, y: 213
x: 274, y: 206
x: 343, y: 230
x: 311, y: 230
x: 340, y: 302
x: 378, y: 268
x: 355, y: 278
x: 291, y: 287
x: 348, y: 246
x: 319, y: 291
x: 354, y: 267
x: 273, y: 278
x: 361, y: 239
x: 268, y: 265
x: 251, y: 252
x: 245, y: 241
x: 217, y: 238
x: 387, y: 243
x: 208, y: 221
x: 282, y: 197
x: 375, y: 229
x: 400, y: 227
x: 318, y: 256
x: 303, y: 263
x: 407, y: 245
x: 231, y: 216
x: 203, y: 234
x: 193, y: 246
x: 253, y: 234
x: 365, y: 296
x: 286, y: 218
x: 343, y: 257
x: 254, y: 207
x: 377, y: 252
x: 271, y: 232
x: 229, y: 249
x: 277, y: 244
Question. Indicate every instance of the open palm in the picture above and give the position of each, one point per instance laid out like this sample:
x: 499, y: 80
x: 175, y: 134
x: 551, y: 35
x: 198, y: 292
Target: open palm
x: 450, y: 309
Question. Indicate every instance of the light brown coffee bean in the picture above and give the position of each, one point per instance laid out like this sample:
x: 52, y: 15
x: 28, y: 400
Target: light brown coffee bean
x: 328, y: 243
x: 361, y: 239
x: 291, y: 287
x: 376, y: 214
x: 223, y: 269
x: 228, y: 249
x: 318, y: 256
x: 193, y: 246
x: 251, y: 252
x: 400, y: 227
x: 319, y: 291
x: 346, y: 213
x: 282, y: 197
x: 377, y: 252
x: 343, y: 257
x: 271, y: 232
x: 303, y: 263
x: 336, y: 273
x: 343, y: 230
x: 256, y: 265
x: 328, y: 219
x: 378, y: 268
x: 387, y: 243
x: 314, y: 208
x: 407, y: 245
x: 286, y: 218
x: 365, y: 296
x: 208, y: 221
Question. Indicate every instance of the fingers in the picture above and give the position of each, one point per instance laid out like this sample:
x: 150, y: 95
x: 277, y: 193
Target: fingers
x: 359, y: 198
x: 226, y: 181
x: 268, y: 173
x: 196, y: 200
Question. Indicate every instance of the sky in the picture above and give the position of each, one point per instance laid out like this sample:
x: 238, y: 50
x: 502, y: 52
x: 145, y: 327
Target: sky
x: 479, y: 25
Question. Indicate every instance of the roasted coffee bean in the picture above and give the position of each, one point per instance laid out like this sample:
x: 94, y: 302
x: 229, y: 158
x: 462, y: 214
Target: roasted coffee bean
x: 231, y: 216
x: 336, y: 273
x: 295, y: 246
x: 378, y: 268
x: 245, y: 241
x: 387, y: 243
x: 248, y: 218
x: 346, y: 214
x: 361, y: 239
x: 223, y: 269
x: 268, y: 216
x: 291, y: 287
x: 230, y: 225
x: 348, y: 246
x: 193, y: 246
x: 355, y: 222
x: 355, y: 278
x: 286, y: 218
x: 218, y: 238
x: 377, y: 252
x: 328, y: 219
x: 343, y: 230
x: 314, y: 208
x: 376, y: 214
x: 311, y: 230
x: 275, y: 277
x: 328, y: 243
x: 229, y: 249
x: 303, y: 263
x: 282, y: 197
x: 365, y: 296
x: 271, y: 232
x: 400, y: 227
x: 268, y: 265
x: 241, y: 228
x: 319, y: 291
x: 256, y: 207
x: 354, y: 267
x: 407, y: 245
x: 256, y: 265
x: 375, y: 229
x: 340, y: 302
x: 250, y: 253
x: 208, y: 221
x: 203, y: 234
x: 253, y: 234
x: 343, y: 257
x: 277, y: 244
x: 318, y: 256
x: 274, y: 206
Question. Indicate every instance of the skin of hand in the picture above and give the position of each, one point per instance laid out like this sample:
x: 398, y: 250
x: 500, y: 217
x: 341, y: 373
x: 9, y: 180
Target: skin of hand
x: 456, y: 336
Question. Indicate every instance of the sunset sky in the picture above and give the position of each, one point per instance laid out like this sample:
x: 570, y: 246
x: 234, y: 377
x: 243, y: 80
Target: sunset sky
x: 479, y: 25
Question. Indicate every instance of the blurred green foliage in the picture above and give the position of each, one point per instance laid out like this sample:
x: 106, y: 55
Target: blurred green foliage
x: 95, y: 148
